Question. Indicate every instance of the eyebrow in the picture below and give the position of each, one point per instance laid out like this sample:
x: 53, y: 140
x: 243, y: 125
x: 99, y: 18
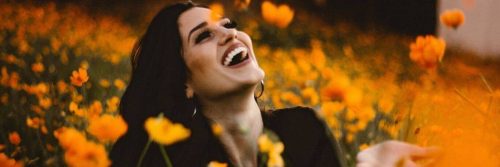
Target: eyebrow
x: 203, y: 24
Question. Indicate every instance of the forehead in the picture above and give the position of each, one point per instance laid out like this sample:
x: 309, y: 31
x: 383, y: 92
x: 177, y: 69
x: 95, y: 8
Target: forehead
x: 191, y: 18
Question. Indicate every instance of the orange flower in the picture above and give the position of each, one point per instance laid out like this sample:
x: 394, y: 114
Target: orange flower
x: 119, y: 84
x: 95, y: 109
x: 112, y: 104
x: 216, y: 164
x: 217, y: 129
x: 68, y: 136
x: 78, y: 78
x: 427, y: 51
x: 37, y: 67
x: 87, y: 154
x: 33, y: 122
x: 104, y: 83
x: 62, y: 87
x: 242, y: 4
x: 107, y: 127
x: 162, y: 131
x: 217, y: 11
x: 281, y: 15
x: 452, y: 18
x: 8, y: 162
x: 14, y: 138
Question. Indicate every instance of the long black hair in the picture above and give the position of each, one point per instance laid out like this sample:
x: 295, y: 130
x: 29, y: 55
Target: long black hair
x: 157, y: 84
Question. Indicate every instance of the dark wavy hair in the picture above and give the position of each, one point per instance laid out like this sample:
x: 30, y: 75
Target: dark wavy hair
x: 157, y: 85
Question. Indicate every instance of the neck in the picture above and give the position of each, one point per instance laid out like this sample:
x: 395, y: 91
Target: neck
x: 241, y: 120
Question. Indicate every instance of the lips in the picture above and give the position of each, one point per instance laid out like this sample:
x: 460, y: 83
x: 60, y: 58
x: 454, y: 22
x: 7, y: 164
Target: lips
x: 234, y: 55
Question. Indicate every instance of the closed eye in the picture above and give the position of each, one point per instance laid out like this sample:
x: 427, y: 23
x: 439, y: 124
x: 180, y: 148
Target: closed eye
x: 202, y: 36
x: 230, y: 24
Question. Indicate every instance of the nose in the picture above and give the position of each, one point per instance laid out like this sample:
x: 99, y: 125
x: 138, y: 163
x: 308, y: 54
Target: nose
x: 227, y: 35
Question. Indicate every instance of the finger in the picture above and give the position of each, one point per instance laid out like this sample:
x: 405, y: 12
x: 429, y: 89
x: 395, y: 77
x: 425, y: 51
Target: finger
x: 422, y: 153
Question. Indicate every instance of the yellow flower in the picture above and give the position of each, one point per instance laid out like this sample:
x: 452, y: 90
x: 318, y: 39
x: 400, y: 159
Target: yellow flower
x: 279, y: 16
x: 38, y: 89
x: 162, y: 131
x: 62, y: 87
x: 95, y: 109
x: 33, y: 122
x: 363, y: 146
x: 112, y: 104
x: 217, y: 129
x: 291, y: 97
x: 11, y: 59
x: 78, y: 78
x: 45, y: 102
x: 427, y: 51
x: 9, y: 80
x: 104, y: 83
x: 310, y: 93
x: 69, y: 136
x: 8, y: 162
x: 329, y: 108
x: 107, y: 127
x: 37, y: 67
x: 242, y: 4
x: 275, y: 159
x: 386, y: 105
x: 216, y: 164
x: 119, y: 84
x: 14, y: 138
x: 73, y: 107
x: 265, y: 144
x: 452, y: 18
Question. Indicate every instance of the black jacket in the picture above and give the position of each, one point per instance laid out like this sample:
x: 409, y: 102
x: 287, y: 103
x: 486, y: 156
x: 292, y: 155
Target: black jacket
x: 307, y: 141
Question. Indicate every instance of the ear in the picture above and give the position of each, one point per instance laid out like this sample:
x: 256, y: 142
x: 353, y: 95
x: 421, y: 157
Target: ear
x: 189, y: 91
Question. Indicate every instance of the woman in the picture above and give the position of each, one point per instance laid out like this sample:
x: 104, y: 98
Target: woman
x: 197, y: 69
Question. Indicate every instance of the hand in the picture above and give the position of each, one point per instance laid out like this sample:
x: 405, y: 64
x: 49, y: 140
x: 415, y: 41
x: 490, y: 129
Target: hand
x: 393, y: 154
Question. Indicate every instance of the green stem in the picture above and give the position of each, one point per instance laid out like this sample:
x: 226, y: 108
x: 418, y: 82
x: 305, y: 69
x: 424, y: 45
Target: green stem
x: 144, y: 151
x: 165, y: 156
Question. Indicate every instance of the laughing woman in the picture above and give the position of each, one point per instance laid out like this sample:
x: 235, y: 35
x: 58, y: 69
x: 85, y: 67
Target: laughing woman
x: 199, y: 70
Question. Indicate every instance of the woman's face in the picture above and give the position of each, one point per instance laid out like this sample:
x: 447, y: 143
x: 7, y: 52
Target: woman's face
x: 220, y: 58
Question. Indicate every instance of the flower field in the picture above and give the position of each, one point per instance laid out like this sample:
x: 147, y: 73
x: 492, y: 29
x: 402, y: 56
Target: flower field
x: 63, y: 71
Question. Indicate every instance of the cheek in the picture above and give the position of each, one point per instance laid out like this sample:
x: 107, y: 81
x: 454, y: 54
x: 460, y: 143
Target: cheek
x: 199, y: 64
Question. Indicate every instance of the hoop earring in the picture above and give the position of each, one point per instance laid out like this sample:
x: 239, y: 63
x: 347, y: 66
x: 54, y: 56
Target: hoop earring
x: 261, y: 90
x: 194, y: 112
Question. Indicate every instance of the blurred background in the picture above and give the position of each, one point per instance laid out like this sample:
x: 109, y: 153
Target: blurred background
x: 420, y: 71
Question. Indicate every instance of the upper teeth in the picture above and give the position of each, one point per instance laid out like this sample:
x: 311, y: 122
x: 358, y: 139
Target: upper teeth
x: 234, y: 53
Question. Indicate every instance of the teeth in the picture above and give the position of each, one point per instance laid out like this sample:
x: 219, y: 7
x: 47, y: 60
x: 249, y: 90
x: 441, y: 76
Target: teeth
x: 234, y: 53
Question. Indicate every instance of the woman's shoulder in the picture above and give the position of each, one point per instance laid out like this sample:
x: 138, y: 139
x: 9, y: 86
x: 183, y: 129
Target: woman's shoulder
x: 299, y: 115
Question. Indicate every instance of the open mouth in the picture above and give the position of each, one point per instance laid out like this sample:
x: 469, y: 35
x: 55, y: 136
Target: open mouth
x: 236, y: 56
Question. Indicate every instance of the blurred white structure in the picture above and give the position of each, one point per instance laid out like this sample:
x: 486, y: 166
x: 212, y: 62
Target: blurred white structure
x: 481, y: 30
